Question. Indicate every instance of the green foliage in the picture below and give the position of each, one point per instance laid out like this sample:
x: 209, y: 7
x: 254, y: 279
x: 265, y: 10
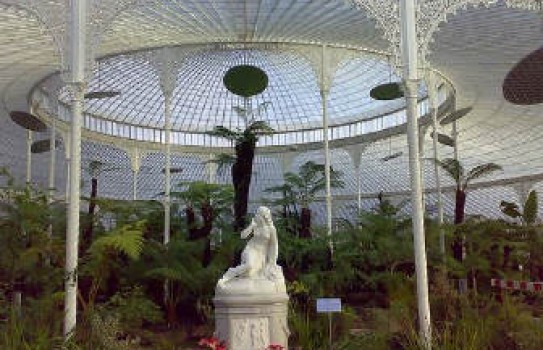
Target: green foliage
x: 198, y: 192
x: 530, y: 208
x: 245, y: 80
x: 249, y: 134
x: 127, y: 239
x: 529, y: 213
x: 456, y: 171
x: 132, y: 307
x: 303, y: 187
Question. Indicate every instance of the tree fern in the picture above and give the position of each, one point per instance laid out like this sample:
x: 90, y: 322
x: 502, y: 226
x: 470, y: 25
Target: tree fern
x: 127, y: 239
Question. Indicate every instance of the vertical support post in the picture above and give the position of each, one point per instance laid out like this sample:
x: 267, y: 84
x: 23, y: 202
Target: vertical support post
x: 28, y: 156
x: 52, y: 162
x: 324, y: 95
x: 410, y: 63
x: 135, y: 184
x: 432, y: 97
x: 359, y: 189
x: 329, y: 330
x: 211, y: 169
x: 78, y: 11
x: 52, y: 165
x: 67, y: 156
x: 135, y: 163
x: 167, y: 169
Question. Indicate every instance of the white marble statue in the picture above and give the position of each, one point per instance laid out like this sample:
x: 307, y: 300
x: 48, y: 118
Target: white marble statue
x: 251, y: 303
x: 258, y: 259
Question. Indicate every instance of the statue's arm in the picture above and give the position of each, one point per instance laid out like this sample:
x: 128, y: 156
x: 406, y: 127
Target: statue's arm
x: 273, y: 247
x: 248, y: 230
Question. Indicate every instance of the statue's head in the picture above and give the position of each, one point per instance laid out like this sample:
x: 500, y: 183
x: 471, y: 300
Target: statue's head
x: 264, y: 214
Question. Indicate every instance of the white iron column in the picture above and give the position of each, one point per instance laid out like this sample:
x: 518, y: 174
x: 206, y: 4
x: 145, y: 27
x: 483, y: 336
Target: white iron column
x: 28, y: 156
x: 135, y: 184
x: 432, y: 97
x: 409, y: 56
x: 135, y: 164
x: 52, y: 162
x: 67, y: 157
x: 167, y: 172
x: 211, y: 169
x: 77, y: 86
x: 52, y: 165
x: 324, y: 95
x: 356, y: 156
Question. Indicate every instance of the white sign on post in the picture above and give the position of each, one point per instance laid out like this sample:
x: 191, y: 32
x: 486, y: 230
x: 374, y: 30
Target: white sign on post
x: 328, y: 305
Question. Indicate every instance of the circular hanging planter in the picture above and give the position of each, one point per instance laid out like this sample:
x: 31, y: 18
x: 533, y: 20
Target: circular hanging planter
x: 101, y: 94
x: 522, y: 85
x: 385, y: 92
x: 27, y: 121
x: 245, y: 80
x: 42, y: 146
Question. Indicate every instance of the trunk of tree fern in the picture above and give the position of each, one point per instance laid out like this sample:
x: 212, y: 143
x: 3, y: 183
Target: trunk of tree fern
x: 88, y: 232
x: 305, y: 223
x: 241, y: 176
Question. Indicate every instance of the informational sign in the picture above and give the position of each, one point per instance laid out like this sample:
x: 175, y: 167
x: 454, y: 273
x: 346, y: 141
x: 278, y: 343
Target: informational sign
x: 328, y: 305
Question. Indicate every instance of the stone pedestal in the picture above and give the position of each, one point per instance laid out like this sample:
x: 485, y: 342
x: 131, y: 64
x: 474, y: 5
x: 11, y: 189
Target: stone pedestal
x: 252, y: 320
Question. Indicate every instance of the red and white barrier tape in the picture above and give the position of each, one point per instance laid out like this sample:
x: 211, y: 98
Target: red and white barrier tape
x: 517, y: 285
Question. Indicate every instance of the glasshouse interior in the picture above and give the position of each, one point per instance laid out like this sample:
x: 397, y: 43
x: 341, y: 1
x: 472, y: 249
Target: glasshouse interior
x: 265, y: 174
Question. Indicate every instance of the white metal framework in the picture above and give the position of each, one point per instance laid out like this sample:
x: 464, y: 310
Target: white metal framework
x: 154, y: 51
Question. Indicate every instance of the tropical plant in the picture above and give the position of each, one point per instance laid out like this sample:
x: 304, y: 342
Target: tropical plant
x: 302, y: 188
x: 528, y: 215
x: 94, y: 169
x: 26, y: 245
x: 210, y: 199
x: 242, y: 168
x: 103, y: 257
x: 190, y: 282
x: 462, y: 178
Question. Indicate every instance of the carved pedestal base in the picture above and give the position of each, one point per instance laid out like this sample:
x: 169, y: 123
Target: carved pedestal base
x: 252, y: 321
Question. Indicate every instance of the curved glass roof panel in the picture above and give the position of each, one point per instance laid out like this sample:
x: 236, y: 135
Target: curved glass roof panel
x: 200, y: 101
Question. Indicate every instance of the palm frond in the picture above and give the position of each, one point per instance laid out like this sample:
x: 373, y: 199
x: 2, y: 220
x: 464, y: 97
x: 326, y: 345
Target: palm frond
x: 453, y: 168
x: 224, y: 132
x: 480, y: 171
x: 223, y: 161
x: 259, y: 127
x: 510, y: 209
x: 530, y: 208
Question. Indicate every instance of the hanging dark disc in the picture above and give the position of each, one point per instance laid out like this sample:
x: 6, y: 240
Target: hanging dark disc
x: 386, y: 92
x: 101, y: 94
x: 444, y: 139
x: 392, y: 156
x: 522, y: 85
x: 28, y: 121
x: 173, y: 170
x: 245, y: 80
x: 42, y: 146
x: 460, y: 113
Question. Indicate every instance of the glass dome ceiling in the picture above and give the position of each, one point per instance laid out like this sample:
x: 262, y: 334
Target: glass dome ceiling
x: 291, y: 102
